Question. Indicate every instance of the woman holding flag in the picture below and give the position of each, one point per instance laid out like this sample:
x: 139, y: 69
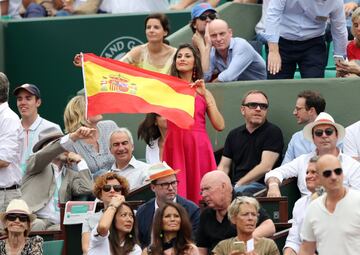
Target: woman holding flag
x: 191, y: 150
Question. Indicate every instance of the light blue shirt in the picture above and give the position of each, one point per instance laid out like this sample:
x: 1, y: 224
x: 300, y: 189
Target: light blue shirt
x: 297, y: 146
x: 242, y: 63
x: 301, y: 20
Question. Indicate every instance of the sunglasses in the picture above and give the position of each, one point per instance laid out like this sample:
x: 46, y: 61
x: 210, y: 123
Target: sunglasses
x: 320, y: 132
x: 253, y: 105
x: 166, y: 185
x: 14, y: 216
x: 107, y: 188
x: 327, y: 173
x: 211, y: 16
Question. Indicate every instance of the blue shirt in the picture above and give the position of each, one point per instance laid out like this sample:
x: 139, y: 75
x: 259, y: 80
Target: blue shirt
x: 301, y: 20
x: 242, y: 63
x: 297, y: 146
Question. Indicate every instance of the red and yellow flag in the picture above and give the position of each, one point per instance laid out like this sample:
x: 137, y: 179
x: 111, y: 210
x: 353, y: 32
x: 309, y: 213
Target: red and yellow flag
x: 115, y: 87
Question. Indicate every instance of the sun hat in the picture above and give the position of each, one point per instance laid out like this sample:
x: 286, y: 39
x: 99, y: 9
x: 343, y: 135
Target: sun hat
x: 323, y: 118
x: 17, y: 206
x: 200, y: 8
x: 46, y: 136
x: 160, y: 170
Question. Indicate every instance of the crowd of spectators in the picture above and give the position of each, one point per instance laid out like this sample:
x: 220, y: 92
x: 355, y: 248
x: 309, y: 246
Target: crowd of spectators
x: 40, y: 167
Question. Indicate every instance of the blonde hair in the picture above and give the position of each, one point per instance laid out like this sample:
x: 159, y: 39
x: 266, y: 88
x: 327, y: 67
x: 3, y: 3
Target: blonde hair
x: 234, y: 207
x: 74, y: 114
x: 355, y: 15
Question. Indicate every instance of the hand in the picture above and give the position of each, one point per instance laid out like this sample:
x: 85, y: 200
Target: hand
x: 273, y: 190
x: 207, y: 37
x: 348, y: 67
x: 199, y: 86
x: 72, y: 157
x: 349, y: 7
x: 117, y: 200
x: 82, y: 133
x: 274, y: 62
x: 77, y: 60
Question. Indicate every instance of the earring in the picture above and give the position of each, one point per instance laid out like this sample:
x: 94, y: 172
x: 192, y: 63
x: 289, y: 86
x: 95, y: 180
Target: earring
x: 194, y: 74
x: 161, y: 235
x: 130, y: 235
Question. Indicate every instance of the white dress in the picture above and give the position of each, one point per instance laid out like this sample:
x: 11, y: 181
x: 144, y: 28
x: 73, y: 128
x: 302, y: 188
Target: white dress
x: 126, y: 6
x: 152, y: 153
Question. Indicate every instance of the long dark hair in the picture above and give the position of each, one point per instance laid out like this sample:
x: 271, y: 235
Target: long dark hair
x: 148, y: 130
x: 164, y: 21
x: 197, y: 70
x: 130, y: 238
x: 183, y: 237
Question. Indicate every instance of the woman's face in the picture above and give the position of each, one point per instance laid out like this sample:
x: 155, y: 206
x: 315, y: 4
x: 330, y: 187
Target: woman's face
x: 107, y: 195
x: 185, y: 60
x: 161, y: 122
x: 171, y: 220
x: 124, y: 219
x: 154, y: 31
x: 356, y: 28
x: 17, y: 223
x: 246, y: 219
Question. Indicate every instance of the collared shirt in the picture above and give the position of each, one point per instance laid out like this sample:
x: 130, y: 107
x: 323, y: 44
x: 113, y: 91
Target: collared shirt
x: 293, y: 239
x: 29, y: 137
x: 136, y: 172
x: 9, y: 146
x: 301, y: 20
x: 242, y: 63
x: 297, y: 146
x: 297, y: 168
x: 352, y: 140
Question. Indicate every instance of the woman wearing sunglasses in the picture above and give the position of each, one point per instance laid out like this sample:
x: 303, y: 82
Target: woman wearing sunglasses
x: 107, y: 186
x: 171, y: 232
x: 17, y: 221
x: 116, y: 232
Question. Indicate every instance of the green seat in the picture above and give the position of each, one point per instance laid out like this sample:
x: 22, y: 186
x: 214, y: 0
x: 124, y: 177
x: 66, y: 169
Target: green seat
x: 53, y: 247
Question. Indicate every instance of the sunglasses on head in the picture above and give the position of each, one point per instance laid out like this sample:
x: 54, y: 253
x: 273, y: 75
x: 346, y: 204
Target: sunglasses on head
x: 204, y: 16
x: 107, y: 188
x: 14, y: 216
x: 320, y: 132
x: 253, y: 105
x: 327, y: 173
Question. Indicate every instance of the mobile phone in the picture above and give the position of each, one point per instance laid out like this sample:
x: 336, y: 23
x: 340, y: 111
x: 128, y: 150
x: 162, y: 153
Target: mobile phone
x: 239, y: 246
x: 339, y: 58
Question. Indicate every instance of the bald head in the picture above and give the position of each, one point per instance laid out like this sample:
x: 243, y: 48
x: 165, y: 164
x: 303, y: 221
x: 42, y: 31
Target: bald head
x: 330, y: 173
x: 220, y: 35
x: 218, y: 23
x: 216, y: 177
x: 327, y: 161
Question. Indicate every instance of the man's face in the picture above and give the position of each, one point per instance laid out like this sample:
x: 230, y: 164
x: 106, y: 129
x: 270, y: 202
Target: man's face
x: 302, y: 115
x: 121, y: 148
x: 220, y: 35
x: 312, y: 177
x: 254, y: 117
x: 211, y: 192
x: 333, y: 181
x: 325, y: 142
x: 200, y: 23
x: 165, y: 188
x: 27, y: 104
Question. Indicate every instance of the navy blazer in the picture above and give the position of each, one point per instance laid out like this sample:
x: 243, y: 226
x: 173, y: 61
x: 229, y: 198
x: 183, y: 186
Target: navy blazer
x: 145, y: 214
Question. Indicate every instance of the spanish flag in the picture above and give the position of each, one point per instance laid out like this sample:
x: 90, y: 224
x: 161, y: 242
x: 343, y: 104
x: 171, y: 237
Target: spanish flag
x: 115, y: 87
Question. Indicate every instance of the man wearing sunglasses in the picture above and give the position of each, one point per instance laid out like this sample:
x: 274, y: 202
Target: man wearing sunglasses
x: 332, y: 222
x: 50, y: 179
x: 230, y: 58
x: 164, y: 185
x: 325, y: 133
x: 253, y: 148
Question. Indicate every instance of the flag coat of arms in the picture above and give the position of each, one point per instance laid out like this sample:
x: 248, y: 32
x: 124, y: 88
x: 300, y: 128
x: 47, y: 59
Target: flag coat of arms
x: 115, y: 87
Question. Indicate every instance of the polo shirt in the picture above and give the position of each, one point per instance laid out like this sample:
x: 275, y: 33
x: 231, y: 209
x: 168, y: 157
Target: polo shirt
x: 245, y: 149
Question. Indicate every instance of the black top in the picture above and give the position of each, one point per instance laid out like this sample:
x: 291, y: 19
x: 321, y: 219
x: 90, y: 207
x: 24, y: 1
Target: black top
x: 245, y: 149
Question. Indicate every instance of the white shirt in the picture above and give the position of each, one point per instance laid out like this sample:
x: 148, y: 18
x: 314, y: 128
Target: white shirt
x: 297, y: 168
x: 136, y: 172
x: 352, y: 140
x: 334, y: 233
x: 9, y: 146
x: 99, y: 245
x: 152, y: 153
x: 29, y: 137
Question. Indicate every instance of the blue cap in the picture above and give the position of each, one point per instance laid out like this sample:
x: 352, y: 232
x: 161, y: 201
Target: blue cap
x: 200, y: 8
x: 31, y: 88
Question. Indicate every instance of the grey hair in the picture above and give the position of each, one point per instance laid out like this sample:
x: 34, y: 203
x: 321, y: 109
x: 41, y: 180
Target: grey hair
x: 122, y: 130
x: 4, y: 88
x: 234, y: 207
x: 314, y: 159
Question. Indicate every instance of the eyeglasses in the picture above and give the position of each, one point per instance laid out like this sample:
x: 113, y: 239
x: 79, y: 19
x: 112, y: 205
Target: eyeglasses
x: 298, y: 109
x: 320, y: 132
x: 14, y: 216
x: 204, y: 16
x: 166, y: 185
x: 107, y: 188
x: 253, y: 105
x: 327, y: 173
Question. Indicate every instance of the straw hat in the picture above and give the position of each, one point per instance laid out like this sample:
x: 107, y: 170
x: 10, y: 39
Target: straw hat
x: 323, y: 118
x: 17, y: 206
x: 160, y: 170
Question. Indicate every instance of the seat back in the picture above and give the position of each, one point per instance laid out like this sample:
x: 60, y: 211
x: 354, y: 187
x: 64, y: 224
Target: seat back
x: 53, y: 247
